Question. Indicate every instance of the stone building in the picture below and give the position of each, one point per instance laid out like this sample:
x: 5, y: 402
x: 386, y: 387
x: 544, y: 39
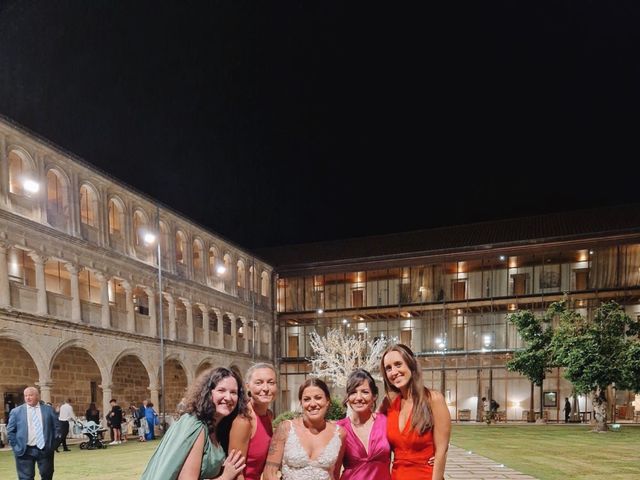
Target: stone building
x: 80, y: 305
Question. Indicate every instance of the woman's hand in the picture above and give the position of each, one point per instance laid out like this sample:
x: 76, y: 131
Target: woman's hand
x: 233, y: 465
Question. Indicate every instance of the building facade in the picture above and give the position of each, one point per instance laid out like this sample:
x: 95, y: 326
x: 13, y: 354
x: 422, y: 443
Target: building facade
x: 80, y: 303
x: 447, y: 292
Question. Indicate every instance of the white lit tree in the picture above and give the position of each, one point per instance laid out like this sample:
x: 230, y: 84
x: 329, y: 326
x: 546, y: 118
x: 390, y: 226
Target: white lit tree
x: 338, y: 354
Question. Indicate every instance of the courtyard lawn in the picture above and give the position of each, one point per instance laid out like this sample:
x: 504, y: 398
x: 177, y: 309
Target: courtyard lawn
x: 550, y: 452
x: 117, y: 462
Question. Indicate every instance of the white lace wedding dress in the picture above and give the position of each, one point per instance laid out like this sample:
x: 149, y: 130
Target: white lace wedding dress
x: 296, y: 464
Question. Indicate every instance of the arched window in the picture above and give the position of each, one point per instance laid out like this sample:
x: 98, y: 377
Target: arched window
x: 241, y: 275
x: 181, y: 246
x: 198, y: 261
x: 265, y: 285
x: 16, y: 173
x: 139, y: 226
x: 56, y: 194
x: 88, y: 206
x: 252, y: 279
x: 164, y: 239
x: 116, y: 217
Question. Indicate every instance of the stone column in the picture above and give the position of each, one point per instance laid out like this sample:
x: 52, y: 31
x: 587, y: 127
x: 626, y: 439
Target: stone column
x: 45, y: 391
x: 41, y: 304
x: 104, y: 300
x: 234, y: 333
x: 205, y: 325
x: 172, y: 317
x: 220, y: 323
x: 107, y: 395
x: 5, y: 292
x: 131, y: 313
x: 245, y: 335
x: 256, y: 338
x: 153, y: 320
x: 155, y: 397
x: 189, y: 308
x: 76, y: 312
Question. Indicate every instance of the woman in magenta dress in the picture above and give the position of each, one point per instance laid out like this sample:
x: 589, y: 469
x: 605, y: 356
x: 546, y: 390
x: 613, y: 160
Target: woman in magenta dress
x: 367, y: 455
x: 251, y: 435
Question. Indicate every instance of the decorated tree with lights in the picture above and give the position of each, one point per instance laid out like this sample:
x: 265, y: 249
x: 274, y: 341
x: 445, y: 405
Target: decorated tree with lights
x: 337, y: 354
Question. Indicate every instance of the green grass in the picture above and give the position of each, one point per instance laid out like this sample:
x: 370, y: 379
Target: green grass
x: 551, y: 452
x: 547, y: 452
x: 118, y: 462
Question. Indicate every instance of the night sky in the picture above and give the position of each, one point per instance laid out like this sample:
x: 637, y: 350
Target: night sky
x: 274, y: 123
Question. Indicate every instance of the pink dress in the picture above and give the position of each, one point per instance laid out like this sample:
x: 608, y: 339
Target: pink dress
x: 258, y: 448
x: 358, y: 465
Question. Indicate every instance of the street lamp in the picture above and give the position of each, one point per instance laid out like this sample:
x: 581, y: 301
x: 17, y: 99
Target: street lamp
x: 149, y: 239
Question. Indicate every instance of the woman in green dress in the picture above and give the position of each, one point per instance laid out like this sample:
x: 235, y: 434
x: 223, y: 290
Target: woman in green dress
x: 191, y: 448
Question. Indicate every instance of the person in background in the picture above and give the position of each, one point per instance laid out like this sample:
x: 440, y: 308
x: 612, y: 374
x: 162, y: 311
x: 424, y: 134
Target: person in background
x: 367, y: 454
x: 152, y: 420
x: 143, y: 428
x: 92, y: 414
x: 418, y: 420
x: 567, y: 410
x: 252, y: 434
x: 65, y: 416
x: 115, y: 418
x: 192, y: 449
x: 33, y: 432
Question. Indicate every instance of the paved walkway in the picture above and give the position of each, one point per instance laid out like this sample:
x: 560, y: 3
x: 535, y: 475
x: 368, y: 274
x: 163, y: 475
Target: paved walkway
x: 464, y: 465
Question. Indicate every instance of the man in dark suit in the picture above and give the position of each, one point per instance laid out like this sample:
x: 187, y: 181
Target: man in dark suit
x: 33, y: 433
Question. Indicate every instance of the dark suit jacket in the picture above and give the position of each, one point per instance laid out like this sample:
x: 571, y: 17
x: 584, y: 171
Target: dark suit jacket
x: 18, y: 429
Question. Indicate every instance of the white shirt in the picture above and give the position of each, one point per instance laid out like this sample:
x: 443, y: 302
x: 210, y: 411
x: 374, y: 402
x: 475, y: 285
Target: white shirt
x: 31, y: 438
x: 66, y: 412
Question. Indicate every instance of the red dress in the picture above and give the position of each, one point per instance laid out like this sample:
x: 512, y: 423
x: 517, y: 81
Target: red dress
x: 410, y: 450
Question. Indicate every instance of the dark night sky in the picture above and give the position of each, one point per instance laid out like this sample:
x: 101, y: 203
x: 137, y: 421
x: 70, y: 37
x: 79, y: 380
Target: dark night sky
x: 274, y: 123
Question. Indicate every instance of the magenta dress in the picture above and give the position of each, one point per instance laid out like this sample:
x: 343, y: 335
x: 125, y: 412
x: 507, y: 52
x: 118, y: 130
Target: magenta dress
x: 358, y: 465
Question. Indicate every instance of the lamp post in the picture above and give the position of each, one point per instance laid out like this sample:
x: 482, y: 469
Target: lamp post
x: 149, y: 239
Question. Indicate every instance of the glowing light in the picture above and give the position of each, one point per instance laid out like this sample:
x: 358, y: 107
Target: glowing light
x: 221, y: 269
x: 31, y: 186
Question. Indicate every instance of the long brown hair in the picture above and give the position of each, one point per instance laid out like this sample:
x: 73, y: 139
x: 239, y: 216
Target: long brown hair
x: 421, y: 418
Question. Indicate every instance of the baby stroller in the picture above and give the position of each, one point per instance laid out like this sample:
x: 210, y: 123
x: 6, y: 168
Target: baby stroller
x: 94, y: 433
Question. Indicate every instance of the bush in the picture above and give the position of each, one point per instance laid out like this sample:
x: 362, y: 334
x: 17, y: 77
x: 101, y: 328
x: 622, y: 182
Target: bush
x: 336, y: 411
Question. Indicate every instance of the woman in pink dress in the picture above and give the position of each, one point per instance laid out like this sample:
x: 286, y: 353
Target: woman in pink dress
x: 251, y: 435
x: 367, y: 455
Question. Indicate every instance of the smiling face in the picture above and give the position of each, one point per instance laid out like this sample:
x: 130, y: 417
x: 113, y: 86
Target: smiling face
x: 362, y: 399
x: 396, y: 370
x: 31, y: 396
x: 225, y: 397
x: 314, y: 403
x: 262, y: 386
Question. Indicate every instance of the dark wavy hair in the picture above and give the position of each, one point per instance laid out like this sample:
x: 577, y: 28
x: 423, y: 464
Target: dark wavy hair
x: 314, y: 382
x: 199, y: 403
x: 421, y: 418
x: 355, y: 379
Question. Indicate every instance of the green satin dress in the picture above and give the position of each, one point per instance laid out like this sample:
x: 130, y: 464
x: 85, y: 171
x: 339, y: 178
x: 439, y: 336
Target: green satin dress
x: 167, y: 460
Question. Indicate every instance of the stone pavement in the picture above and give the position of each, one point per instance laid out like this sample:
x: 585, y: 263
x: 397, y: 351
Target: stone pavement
x: 464, y: 465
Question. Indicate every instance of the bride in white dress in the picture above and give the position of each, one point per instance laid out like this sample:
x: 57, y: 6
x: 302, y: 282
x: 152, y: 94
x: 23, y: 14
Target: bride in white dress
x: 307, y: 448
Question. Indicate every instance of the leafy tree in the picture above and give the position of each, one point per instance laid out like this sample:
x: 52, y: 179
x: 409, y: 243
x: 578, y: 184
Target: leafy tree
x: 597, y: 353
x: 535, y: 360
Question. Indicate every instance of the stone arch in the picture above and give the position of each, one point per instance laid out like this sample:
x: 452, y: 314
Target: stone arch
x: 204, y: 364
x: 177, y: 377
x: 33, y: 349
x: 181, y: 247
x: 73, y: 376
x: 130, y: 378
x: 89, y: 204
x: 241, y: 280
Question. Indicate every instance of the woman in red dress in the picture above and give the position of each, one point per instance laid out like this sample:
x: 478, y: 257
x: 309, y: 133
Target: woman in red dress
x: 418, y: 420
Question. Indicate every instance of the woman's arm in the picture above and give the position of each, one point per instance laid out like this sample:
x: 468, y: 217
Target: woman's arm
x: 338, y: 465
x: 191, y: 467
x: 276, y: 451
x: 441, y: 433
x: 239, y: 437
